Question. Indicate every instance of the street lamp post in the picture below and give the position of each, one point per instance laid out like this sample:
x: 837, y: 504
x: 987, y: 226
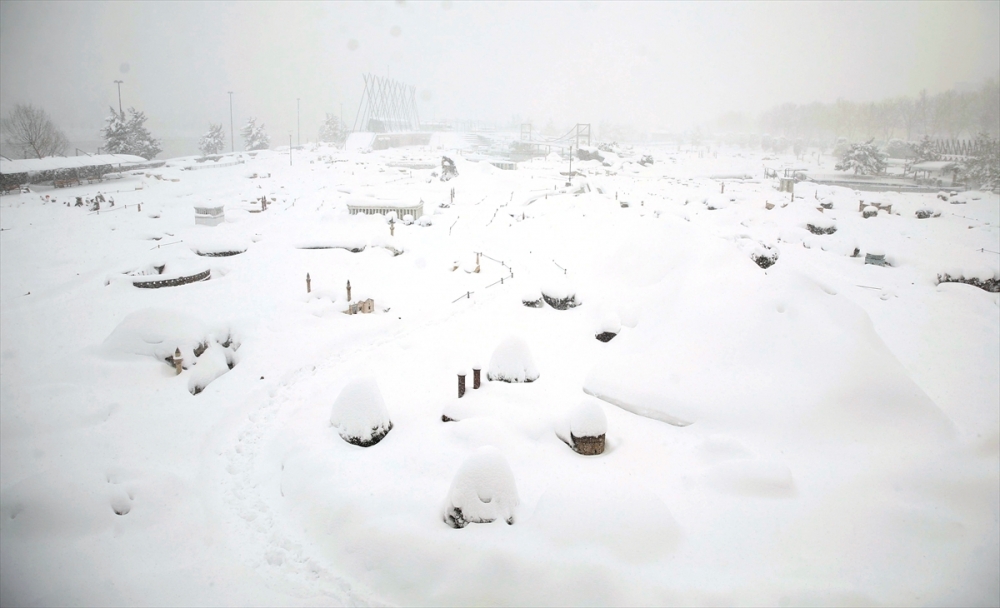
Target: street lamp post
x: 232, y: 139
x: 119, y: 83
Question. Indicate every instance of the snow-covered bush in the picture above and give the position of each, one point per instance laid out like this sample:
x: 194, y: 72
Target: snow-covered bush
x: 214, y: 141
x: 864, y: 159
x: 608, y: 327
x: 532, y: 298
x: 482, y: 491
x: 448, y: 169
x: 359, y: 413
x: 254, y: 136
x: 560, y: 295
x: 512, y: 362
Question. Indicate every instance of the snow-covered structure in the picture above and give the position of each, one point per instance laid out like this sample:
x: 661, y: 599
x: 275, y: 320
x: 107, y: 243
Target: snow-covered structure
x: 359, y: 413
x: 380, y: 208
x: 209, y: 216
x: 512, y: 362
x: 587, y: 427
x: 482, y: 491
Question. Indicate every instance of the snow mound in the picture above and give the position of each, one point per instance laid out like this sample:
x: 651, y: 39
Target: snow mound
x: 751, y: 477
x: 512, y: 362
x: 482, y: 491
x: 213, y: 362
x: 628, y: 521
x: 157, y: 332
x: 360, y: 414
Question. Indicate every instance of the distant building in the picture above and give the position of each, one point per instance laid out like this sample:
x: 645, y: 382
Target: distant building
x: 378, y: 208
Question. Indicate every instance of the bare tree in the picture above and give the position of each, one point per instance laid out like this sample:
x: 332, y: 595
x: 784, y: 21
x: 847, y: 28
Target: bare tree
x: 30, y: 130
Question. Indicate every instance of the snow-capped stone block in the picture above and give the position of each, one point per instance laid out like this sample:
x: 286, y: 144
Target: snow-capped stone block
x: 482, y: 491
x: 360, y: 414
x: 512, y: 362
x: 587, y: 427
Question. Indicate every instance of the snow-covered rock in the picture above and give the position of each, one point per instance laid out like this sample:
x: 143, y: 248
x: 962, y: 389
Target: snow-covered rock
x: 482, y: 491
x: 360, y: 414
x: 512, y: 362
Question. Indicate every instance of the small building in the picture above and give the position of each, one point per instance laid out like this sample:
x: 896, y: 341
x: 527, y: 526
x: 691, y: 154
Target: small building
x: 209, y: 216
x: 362, y: 307
x: 378, y: 208
x: 506, y: 165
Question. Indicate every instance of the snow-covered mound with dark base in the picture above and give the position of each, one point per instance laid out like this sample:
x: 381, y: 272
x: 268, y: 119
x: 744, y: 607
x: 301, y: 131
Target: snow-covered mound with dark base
x: 482, y: 491
x: 359, y: 413
x: 512, y: 362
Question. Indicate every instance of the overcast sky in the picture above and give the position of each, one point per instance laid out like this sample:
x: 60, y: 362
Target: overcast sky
x: 663, y: 65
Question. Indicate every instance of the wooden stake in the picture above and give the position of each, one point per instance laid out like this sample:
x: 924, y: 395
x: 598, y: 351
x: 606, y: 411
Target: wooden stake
x: 461, y: 385
x: 475, y: 377
x: 308, y: 284
x: 348, y: 290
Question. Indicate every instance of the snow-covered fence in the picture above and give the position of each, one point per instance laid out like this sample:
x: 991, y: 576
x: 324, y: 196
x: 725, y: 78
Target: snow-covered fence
x: 214, y: 165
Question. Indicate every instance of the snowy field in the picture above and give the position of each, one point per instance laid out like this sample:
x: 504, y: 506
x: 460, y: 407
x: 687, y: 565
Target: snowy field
x: 818, y: 432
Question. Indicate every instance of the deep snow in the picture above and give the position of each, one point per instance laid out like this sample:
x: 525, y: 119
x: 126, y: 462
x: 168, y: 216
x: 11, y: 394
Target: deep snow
x: 819, y: 432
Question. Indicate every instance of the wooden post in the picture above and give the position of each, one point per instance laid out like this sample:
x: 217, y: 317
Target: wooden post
x: 140, y: 207
x: 308, y: 284
x: 475, y: 377
x: 348, y: 290
x: 723, y: 188
x: 791, y: 191
x: 461, y: 385
x: 178, y: 361
x: 392, y: 228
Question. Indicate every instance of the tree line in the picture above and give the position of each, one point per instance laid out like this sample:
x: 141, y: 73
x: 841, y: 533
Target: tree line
x: 949, y: 115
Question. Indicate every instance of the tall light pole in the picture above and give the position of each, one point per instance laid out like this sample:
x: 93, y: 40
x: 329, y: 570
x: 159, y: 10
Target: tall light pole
x: 232, y: 139
x: 298, y: 124
x: 119, y: 83
x: 289, y: 149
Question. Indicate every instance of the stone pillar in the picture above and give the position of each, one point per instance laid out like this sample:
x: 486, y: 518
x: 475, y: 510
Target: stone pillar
x: 461, y: 385
x: 475, y: 377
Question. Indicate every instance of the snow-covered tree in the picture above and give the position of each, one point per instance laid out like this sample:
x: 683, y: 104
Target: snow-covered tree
x: 214, y: 141
x: 116, y: 134
x: 254, y: 136
x: 331, y: 130
x: 983, y: 167
x: 129, y: 136
x: 925, y: 149
x: 865, y: 159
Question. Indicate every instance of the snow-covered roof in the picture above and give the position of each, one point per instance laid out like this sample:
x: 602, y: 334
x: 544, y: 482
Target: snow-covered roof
x: 51, y: 163
x: 934, y: 165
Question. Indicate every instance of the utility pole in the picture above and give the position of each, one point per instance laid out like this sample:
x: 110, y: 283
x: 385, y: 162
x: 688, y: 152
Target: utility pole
x: 232, y: 139
x: 569, y: 180
x: 298, y: 124
x: 289, y: 149
x: 119, y: 83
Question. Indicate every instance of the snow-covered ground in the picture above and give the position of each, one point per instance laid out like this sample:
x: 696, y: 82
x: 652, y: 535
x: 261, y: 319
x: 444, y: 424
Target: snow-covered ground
x: 819, y: 432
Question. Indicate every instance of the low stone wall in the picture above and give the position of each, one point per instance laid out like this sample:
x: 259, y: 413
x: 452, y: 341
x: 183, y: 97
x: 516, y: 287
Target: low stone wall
x: 194, y: 278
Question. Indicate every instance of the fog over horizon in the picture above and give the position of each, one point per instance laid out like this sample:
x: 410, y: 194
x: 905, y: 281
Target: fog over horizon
x: 663, y: 66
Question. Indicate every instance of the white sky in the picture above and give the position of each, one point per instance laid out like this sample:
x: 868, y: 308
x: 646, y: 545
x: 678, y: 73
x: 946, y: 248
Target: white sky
x: 650, y: 64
